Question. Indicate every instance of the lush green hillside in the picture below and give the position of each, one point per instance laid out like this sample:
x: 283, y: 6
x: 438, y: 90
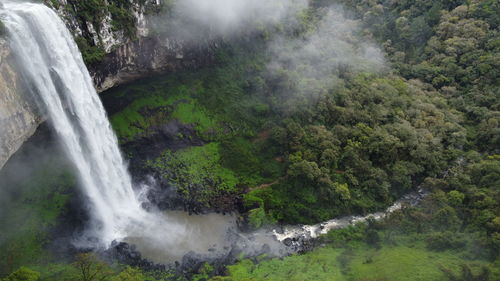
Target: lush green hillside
x: 452, y: 235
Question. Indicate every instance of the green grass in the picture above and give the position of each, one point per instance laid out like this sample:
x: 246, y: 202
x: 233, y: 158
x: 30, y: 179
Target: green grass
x: 391, y: 263
x: 204, y: 161
x: 130, y: 123
x: 401, y: 263
x: 214, y: 99
x: 317, y: 265
x: 141, y: 116
x: 207, y: 173
x: 216, y: 102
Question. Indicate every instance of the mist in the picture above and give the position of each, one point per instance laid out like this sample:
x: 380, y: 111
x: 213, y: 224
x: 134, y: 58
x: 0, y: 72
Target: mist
x: 35, y: 175
x: 316, y: 62
x: 336, y: 42
x: 195, y: 20
x: 313, y: 56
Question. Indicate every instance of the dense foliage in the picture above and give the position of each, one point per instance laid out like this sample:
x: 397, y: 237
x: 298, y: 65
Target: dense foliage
x: 452, y: 235
x: 452, y: 45
x: 85, y: 267
x: 378, y: 136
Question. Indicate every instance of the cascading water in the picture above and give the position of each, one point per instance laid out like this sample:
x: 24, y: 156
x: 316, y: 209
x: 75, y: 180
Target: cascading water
x: 53, y: 65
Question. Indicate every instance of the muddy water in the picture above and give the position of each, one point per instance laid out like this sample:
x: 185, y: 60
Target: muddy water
x: 215, y: 236
x: 203, y: 234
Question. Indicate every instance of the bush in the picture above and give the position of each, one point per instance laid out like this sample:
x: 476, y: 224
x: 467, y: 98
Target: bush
x: 258, y: 218
x: 441, y: 241
x: 91, y: 54
x: 23, y: 274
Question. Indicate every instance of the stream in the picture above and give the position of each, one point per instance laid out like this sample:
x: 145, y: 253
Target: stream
x: 216, y: 236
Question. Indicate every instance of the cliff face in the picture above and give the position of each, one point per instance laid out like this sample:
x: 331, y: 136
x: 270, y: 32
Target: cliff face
x: 106, y: 24
x: 19, y: 117
x: 146, y: 56
x: 128, y: 49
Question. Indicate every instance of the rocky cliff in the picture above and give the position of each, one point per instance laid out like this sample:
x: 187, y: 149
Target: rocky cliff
x: 117, y: 44
x: 19, y: 116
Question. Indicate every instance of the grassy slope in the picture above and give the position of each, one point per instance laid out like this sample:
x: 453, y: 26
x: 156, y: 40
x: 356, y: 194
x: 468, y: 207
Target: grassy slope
x: 410, y: 263
x: 154, y: 108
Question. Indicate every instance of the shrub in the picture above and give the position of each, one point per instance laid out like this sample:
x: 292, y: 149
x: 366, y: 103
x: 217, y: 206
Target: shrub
x: 91, y: 54
x: 441, y: 241
x: 23, y: 274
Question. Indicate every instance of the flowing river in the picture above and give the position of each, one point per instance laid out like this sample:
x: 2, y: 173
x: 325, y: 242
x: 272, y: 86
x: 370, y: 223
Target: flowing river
x: 216, y: 236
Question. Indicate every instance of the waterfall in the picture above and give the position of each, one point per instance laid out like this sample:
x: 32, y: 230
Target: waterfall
x: 53, y: 67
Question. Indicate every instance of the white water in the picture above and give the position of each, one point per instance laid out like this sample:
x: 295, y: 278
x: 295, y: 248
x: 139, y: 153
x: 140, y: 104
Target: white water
x: 314, y: 231
x: 51, y: 62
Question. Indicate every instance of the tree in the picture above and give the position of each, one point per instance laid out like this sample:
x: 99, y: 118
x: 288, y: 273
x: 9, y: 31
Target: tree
x: 23, y: 274
x: 91, y: 268
x: 129, y: 274
x: 467, y: 274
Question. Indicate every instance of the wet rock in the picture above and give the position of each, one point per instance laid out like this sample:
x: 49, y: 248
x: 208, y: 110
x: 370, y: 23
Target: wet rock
x: 127, y: 254
x: 288, y: 242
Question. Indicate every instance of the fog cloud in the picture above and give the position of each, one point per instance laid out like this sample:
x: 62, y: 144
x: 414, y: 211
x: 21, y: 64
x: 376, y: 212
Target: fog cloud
x: 335, y: 44
x: 310, y: 66
x: 193, y: 19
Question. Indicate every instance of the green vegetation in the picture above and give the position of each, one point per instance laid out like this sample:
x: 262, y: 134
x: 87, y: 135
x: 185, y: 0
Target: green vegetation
x: 301, y: 139
x: 91, y: 54
x: 452, y: 235
x: 215, y: 104
x: 30, y: 214
x: 95, y: 12
x: 144, y: 114
x: 453, y: 46
x: 353, y: 263
x: 23, y: 274
x: 327, y: 145
x: 198, y: 174
x: 86, y: 267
